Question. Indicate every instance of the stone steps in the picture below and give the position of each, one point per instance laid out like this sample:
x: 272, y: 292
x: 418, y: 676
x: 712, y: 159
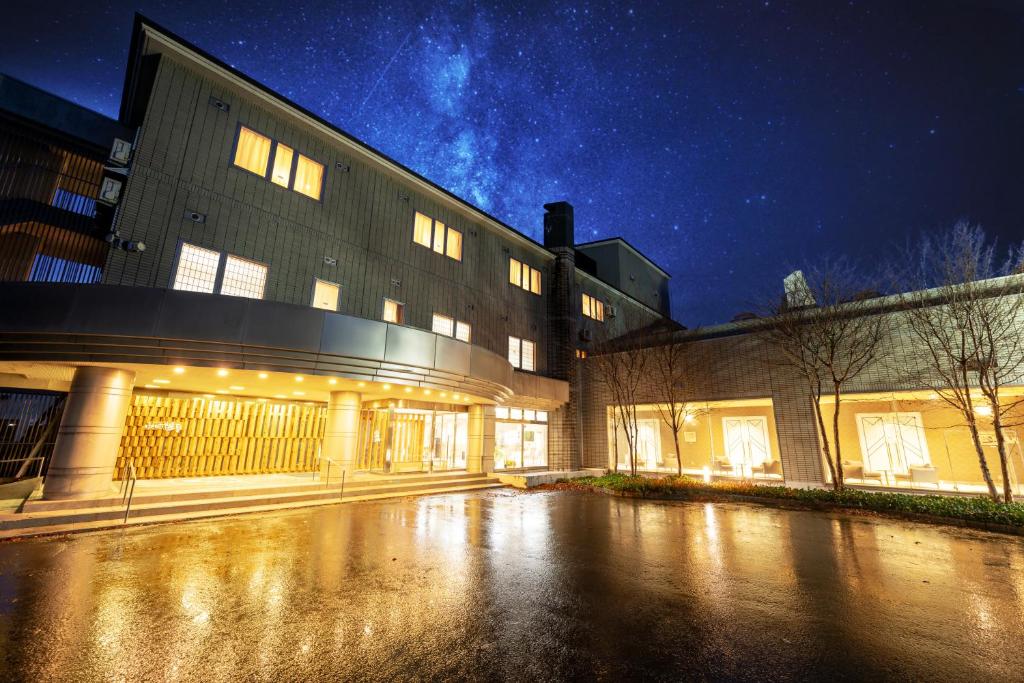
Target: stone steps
x: 203, y: 504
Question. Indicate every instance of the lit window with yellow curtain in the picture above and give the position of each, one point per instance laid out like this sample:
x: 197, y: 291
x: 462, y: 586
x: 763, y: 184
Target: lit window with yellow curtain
x: 522, y: 275
x: 515, y: 271
x: 439, y: 237
x: 422, y: 229
x: 282, y: 172
x: 535, y: 281
x: 593, y: 308
x: 309, y: 177
x: 454, y: 247
x: 252, y: 151
x: 392, y: 312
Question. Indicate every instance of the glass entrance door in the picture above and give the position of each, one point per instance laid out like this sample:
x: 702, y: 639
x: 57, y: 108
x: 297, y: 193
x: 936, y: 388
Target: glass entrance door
x: 393, y: 440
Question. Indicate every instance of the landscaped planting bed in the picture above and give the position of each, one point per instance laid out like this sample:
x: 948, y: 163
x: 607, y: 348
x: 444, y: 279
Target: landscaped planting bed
x: 965, y: 511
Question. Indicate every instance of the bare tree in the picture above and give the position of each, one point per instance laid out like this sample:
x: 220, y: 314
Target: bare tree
x: 967, y: 313
x: 828, y: 331
x: 619, y: 365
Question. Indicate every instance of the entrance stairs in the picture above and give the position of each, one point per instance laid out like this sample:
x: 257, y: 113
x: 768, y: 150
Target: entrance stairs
x: 157, y: 501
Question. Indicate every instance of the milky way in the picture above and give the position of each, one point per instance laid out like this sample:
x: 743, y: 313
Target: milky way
x: 731, y: 144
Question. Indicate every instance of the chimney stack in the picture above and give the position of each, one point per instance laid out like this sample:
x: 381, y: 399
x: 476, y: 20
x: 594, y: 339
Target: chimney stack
x: 558, y: 227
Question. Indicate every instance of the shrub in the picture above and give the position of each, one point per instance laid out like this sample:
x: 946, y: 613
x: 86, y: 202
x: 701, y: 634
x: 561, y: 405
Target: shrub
x: 982, y: 510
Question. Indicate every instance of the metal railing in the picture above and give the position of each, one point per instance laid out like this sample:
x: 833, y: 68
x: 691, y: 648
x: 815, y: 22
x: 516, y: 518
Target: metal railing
x: 327, y: 483
x: 128, y: 490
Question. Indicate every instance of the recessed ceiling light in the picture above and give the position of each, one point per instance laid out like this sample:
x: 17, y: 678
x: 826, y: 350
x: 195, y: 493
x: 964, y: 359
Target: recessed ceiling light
x: 222, y: 373
x: 236, y: 388
x: 386, y: 387
x: 443, y: 394
x: 279, y: 396
x: 426, y: 392
x: 179, y: 370
x: 263, y: 375
x: 222, y: 391
x: 299, y: 393
x: 332, y: 381
x: 362, y: 384
x: 408, y: 390
x: 151, y: 386
x: 161, y: 381
x: 455, y: 396
x: 299, y: 378
x: 261, y: 400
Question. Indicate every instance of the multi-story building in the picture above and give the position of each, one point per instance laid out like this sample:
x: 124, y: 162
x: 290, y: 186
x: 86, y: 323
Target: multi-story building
x: 220, y: 282
x: 258, y: 291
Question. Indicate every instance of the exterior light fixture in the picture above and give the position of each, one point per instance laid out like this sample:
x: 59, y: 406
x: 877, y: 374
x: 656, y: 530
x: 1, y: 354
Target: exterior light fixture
x: 332, y: 381
x: 443, y: 394
x: 362, y: 384
x: 455, y: 396
x: 222, y: 391
x: 298, y: 393
x: 386, y: 387
x: 426, y: 392
x: 984, y: 411
x: 151, y: 386
x: 299, y: 378
x: 263, y: 375
x: 161, y: 381
x: 408, y: 390
x: 236, y: 388
x: 279, y: 396
x: 179, y: 370
x: 222, y: 373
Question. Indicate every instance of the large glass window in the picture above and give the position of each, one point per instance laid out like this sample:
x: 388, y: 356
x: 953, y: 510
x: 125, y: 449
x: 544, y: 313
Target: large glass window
x: 243, y: 277
x: 442, y: 324
x: 520, y: 438
x: 252, y: 151
x: 197, y: 269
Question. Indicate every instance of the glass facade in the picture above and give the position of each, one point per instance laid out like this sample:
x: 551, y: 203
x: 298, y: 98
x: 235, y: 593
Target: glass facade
x: 520, y: 438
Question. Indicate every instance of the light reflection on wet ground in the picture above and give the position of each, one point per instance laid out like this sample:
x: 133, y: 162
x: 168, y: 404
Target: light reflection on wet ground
x: 516, y: 586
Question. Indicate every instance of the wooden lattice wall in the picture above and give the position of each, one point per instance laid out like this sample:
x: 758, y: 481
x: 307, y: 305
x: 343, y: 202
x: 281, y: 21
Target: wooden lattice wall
x: 194, y: 437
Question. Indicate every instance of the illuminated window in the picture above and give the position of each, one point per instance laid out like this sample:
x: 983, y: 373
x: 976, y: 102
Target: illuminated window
x: 393, y: 312
x: 443, y: 325
x: 501, y: 413
x: 593, y: 308
x: 454, y: 247
x: 423, y: 227
x: 197, y: 269
x: 522, y: 275
x: 282, y: 173
x: 581, y: 354
x: 522, y: 353
x: 309, y: 177
x: 519, y: 441
x: 252, y: 151
x: 450, y: 327
x: 243, y: 277
x: 435, y: 235
x: 326, y: 295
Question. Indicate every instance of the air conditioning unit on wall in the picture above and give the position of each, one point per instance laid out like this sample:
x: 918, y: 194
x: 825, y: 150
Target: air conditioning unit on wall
x: 609, y: 311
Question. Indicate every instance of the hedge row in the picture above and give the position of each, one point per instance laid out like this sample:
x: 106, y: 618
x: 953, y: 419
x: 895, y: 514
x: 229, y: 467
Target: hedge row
x: 970, y: 509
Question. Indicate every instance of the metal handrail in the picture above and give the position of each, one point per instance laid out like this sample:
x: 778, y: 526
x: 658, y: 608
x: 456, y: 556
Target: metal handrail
x: 129, y: 489
x: 327, y: 482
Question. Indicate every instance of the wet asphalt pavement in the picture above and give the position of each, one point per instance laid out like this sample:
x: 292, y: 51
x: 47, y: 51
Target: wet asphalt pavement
x: 518, y: 586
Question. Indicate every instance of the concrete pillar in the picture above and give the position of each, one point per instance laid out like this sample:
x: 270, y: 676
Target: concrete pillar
x: 342, y: 434
x: 90, y: 430
x: 480, y: 457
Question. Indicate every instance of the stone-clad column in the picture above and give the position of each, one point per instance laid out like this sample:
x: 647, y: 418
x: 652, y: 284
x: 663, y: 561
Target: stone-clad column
x: 480, y: 457
x: 82, y: 465
x: 342, y: 433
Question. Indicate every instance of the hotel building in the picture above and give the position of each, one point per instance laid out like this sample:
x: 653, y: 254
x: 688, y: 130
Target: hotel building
x: 220, y: 283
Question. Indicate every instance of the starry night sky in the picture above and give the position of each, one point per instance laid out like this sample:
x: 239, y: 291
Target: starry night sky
x: 729, y: 141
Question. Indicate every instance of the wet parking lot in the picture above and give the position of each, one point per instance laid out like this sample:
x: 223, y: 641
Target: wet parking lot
x: 508, y: 585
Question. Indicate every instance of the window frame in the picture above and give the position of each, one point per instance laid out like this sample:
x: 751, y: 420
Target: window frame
x: 268, y: 172
x: 218, y: 282
x: 525, y: 276
x: 400, y: 309
x: 337, y: 304
x: 595, y: 305
x: 223, y: 268
x: 455, y: 323
x: 444, y: 244
x: 521, y: 344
